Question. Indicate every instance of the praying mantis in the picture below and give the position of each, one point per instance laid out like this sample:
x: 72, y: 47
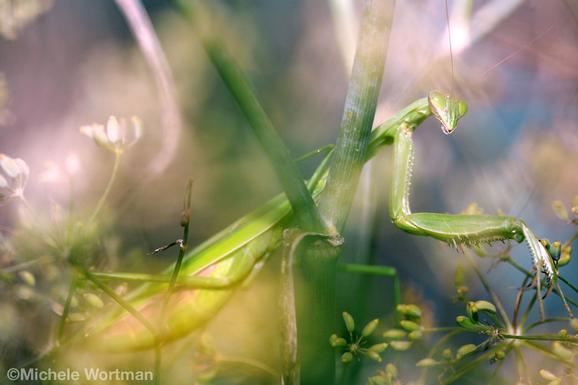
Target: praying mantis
x: 210, y: 272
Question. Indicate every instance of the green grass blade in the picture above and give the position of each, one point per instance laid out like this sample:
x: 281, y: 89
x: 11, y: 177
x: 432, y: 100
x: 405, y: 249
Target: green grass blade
x: 301, y: 201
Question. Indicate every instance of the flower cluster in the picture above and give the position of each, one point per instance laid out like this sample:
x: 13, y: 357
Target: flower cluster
x: 410, y: 328
x: 117, y: 135
x: 355, y: 343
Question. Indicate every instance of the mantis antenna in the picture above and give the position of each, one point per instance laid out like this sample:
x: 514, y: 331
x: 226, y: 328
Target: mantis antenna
x: 450, y: 45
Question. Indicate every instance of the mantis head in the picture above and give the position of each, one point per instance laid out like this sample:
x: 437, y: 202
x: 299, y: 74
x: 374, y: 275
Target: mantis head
x: 447, y: 109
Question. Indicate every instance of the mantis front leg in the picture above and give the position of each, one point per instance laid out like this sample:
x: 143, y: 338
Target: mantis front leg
x: 457, y: 229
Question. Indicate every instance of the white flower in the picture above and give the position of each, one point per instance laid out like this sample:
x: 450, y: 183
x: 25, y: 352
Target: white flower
x: 117, y: 135
x: 14, y: 174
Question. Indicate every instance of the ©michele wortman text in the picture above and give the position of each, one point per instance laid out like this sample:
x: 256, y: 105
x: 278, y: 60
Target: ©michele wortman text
x: 87, y: 374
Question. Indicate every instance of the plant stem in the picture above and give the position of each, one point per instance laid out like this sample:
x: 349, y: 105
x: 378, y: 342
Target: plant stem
x: 132, y: 311
x: 66, y: 309
x: 27, y: 264
x: 185, y: 224
x: 358, y: 115
x: 158, y: 365
x: 521, y: 364
x: 548, y: 352
x: 107, y: 190
x: 435, y: 348
x: 571, y: 240
x: 318, y: 263
x: 288, y: 315
x: 119, y: 300
x: 546, y: 321
x: 468, y: 366
x: 570, y: 285
x: 316, y: 307
x: 301, y: 201
x: 248, y: 362
x: 542, y: 337
x: 441, y: 329
x: 382, y: 271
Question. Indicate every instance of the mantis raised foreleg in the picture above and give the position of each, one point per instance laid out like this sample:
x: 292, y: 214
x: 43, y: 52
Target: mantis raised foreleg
x: 456, y: 229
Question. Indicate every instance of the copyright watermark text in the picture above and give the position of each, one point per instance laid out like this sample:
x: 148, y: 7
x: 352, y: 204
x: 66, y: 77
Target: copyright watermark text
x: 87, y: 374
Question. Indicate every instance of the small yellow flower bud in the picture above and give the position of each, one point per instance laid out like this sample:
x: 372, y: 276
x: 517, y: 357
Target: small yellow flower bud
x: 373, y: 356
x: 349, y: 322
x: 410, y: 310
x: 465, y: 322
x: 27, y: 277
x: 369, y: 328
x: 485, y: 306
x: 447, y: 354
x: 415, y: 335
x: 391, y: 370
x: 400, y: 346
x: 560, y: 210
x: 346, y: 357
x: 547, y: 375
x: 426, y: 363
x: 465, y: 350
x: 379, y: 348
x: 500, y: 355
x: 409, y: 325
x: 394, y: 334
x: 336, y: 341
x: 93, y: 300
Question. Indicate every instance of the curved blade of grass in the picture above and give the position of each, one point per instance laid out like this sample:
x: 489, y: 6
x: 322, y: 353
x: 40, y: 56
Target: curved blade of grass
x: 287, y: 171
x: 144, y: 33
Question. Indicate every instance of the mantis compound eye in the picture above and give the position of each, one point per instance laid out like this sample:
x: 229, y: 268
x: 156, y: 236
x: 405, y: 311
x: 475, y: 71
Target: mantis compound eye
x: 447, y: 109
x: 518, y: 236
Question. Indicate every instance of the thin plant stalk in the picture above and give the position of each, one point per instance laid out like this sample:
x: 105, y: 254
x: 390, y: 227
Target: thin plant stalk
x: 250, y: 362
x: 183, y: 245
x: 106, y: 193
x: 66, y: 309
x: 382, y: 271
